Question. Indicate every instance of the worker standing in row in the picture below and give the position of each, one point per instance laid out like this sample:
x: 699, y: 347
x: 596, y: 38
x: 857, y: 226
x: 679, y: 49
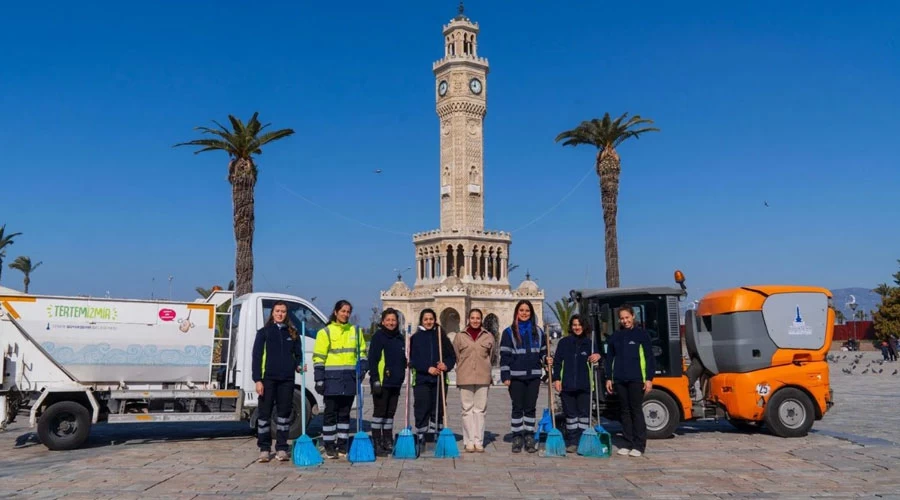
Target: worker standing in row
x: 334, y: 363
x: 387, y: 371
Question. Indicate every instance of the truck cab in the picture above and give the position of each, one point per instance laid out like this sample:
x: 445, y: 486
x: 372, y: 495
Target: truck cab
x: 249, y: 314
x: 656, y: 309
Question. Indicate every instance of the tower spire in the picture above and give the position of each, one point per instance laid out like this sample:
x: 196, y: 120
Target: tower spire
x: 460, y: 10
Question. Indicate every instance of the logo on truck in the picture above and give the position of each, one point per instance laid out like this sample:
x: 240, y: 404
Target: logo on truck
x: 166, y: 314
x: 57, y: 311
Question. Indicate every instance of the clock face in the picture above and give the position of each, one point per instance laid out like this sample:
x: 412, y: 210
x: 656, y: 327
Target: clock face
x: 442, y: 88
x: 475, y: 85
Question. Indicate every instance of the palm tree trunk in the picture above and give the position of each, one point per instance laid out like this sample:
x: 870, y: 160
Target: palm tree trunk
x: 608, y: 169
x: 243, y: 181
x: 27, y: 282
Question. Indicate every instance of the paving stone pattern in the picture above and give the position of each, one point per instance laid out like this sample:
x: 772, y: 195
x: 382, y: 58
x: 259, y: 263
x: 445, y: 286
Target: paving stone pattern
x: 853, y: 452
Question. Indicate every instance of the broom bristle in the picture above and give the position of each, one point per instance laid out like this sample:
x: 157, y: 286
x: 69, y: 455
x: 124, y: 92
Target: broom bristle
x: 361, y: 450
x: 305, y: 453
x: 446, y: 445
x: 405, y: 448
x: 555, y: 445
x: 589, y: 445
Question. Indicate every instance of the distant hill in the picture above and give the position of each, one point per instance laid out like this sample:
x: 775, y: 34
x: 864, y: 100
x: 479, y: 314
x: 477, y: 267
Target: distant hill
x: 866, y: 299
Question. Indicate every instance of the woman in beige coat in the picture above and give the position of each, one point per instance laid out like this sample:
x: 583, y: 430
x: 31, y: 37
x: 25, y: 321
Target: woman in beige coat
x: 473, y: 347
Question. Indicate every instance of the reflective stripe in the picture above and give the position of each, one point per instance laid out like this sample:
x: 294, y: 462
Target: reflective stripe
x: 328, y: 437
x: 336, y: 368
x: 329, y: 428
x: 518, y: 373
x: 507, y: 349
x: 643, y: 364
x: 504, y: 368
x: 343, y: 350
x: 537, y: 371
x: 282, y: 427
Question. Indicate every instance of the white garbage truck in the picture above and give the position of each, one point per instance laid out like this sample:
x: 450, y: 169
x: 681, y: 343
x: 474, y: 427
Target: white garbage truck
x: 71, y: 362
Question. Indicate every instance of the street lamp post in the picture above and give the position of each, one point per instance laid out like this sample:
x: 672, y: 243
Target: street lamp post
x: 853, y: 306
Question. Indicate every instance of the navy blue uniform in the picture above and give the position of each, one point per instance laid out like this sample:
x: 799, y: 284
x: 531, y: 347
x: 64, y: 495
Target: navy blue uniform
x: 571, y: 367
x: 276, y: 357
x: 630, y: 363
x: 423, y: 354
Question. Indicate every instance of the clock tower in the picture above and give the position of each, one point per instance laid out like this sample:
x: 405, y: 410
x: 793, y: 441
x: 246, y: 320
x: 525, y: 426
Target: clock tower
x: 461, y: 95
x: 461, y: 265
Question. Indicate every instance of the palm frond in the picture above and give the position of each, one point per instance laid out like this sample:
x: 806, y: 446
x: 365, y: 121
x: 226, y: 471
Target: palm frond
x: 211, y: 145
x: 606, y: 133
x: 268, y: 137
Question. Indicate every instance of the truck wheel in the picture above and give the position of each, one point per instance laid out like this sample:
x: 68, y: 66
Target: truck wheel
x: 661, y: 414
x: 790, y: 413
x: 64, y: 426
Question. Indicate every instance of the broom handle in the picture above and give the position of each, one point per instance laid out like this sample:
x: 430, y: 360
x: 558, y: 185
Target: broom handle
x: 302, y: 377
x: 441, y: 379
x: 359, y: 398
x: 408, y: 382
x: 550, y: 385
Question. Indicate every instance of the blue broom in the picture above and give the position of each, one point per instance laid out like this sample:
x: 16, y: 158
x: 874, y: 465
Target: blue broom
x: 555, y: 446
x: 405, y: 448
x: 446, y: 442
x: 305, y: 453
x: 361, y: 450
x: 589, y: 445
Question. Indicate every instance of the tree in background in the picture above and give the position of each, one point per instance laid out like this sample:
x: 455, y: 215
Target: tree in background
x: 883, y: 290
x: 241, y: 143
x: 25, y: 265
x: 5, y: 241
x: 563, y: 310
x: 606, y: 135
x: 887, y: 318
x: 839, y: 317
x: 220, y: 320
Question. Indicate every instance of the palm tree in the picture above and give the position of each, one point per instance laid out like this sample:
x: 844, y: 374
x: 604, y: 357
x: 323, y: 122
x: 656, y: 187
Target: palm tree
x: 883, y: 289
x: 606, y: 135
x: 24, y: 264
x: 563, y: 310
x: 5, y: 241
x: 241, y: 143
x: 839, y: 317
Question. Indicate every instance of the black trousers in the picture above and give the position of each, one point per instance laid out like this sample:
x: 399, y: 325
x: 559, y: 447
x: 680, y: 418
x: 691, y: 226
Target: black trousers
x: 336, y: 420
x: 383, y: 408
x: 278, y: 393
x: 426, y: 396
x: 524, y: 394
x: 631, y: 400
x: 577, y: 407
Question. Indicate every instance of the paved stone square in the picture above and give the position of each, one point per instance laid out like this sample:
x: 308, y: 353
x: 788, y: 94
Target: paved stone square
x: 853, y: 452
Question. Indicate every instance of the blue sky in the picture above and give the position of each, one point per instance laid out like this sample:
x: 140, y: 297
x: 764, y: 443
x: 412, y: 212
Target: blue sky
x: 791, y: 104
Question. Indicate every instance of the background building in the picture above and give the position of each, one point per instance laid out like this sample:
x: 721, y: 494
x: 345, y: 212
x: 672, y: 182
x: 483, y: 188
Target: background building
x: 462, y: 265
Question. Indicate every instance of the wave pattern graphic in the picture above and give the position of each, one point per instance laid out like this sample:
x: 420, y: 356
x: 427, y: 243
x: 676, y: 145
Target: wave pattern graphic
x: 134, y: 354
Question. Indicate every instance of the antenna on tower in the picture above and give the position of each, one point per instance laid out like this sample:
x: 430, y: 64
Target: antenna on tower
x: 461, y: 7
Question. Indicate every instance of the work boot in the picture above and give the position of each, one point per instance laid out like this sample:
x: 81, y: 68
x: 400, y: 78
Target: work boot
x: 342, y: 446
x: 530, y: 445
x: 387, y: 441
x: 518, y: 442
x: 572, y: 448
x: 376, y: 442
x: 331, y: 451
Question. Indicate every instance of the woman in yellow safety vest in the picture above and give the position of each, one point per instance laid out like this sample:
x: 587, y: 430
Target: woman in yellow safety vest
x: 334, y: 363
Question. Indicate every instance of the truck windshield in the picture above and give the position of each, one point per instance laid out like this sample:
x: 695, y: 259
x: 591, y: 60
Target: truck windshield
x: 298, y: 313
